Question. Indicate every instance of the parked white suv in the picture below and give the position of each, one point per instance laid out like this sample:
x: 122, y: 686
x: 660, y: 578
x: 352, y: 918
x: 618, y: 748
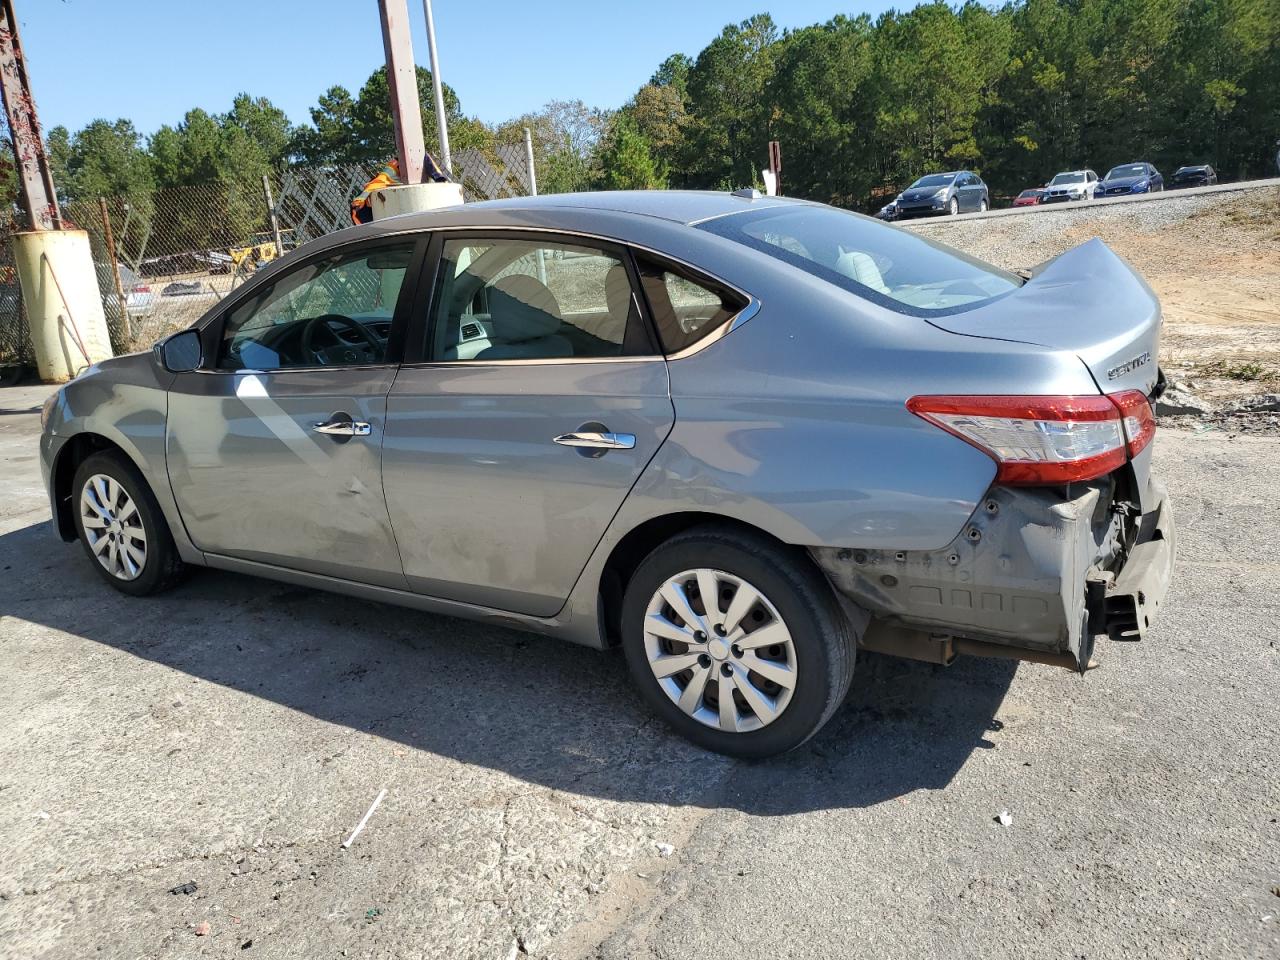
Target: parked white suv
x: 1072, y: 185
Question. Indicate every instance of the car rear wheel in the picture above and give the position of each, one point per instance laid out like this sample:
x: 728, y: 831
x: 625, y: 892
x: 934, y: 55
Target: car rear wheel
x: 982, y: 205
x: 953, y: 207
x: 122, y: 528
x: 738, y: 643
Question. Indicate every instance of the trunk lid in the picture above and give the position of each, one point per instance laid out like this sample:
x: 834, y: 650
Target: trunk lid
x: 1087, y: 301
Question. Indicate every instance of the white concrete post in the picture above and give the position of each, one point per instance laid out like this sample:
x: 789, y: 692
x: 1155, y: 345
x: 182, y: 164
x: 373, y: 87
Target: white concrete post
x: 64, y: 308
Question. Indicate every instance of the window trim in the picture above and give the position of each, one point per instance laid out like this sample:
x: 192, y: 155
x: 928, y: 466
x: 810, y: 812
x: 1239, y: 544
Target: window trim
x: 421, y: 332
x: 211, y: 327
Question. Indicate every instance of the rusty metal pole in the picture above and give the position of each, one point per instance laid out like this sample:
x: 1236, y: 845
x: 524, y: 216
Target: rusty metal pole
x: 125, y: 321
x: 402, y: 79
x: 271, y: 209
x: 35, y: 180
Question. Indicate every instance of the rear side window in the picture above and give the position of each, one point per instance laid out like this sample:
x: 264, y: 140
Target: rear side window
x: 888, y: 266
x: 685, y: 309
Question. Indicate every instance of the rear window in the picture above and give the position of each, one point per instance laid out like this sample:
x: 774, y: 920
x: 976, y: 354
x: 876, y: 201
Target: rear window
x: 891, y: 267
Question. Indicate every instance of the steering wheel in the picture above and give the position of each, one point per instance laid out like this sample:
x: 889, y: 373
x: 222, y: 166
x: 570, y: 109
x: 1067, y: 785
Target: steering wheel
x: 339, y: 352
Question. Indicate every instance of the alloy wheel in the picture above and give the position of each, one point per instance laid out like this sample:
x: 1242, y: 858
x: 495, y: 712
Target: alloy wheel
x: 720, y: 650
x: 113, y: 527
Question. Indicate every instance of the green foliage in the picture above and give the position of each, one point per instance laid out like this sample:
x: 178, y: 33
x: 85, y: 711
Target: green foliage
x: 1016, y: 92
x: 103, y: 160
x: 626, y: 159
x: 348, y: 130
x: 566, y: 135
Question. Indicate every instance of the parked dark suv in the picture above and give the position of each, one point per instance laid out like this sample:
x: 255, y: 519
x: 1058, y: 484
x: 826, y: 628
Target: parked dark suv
x: 960, y: 191
x: 1201, y: 175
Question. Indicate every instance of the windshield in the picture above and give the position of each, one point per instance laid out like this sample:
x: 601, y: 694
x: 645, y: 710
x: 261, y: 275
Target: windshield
x: 934, y: 180
x: 1067, y: 178
x: 880, y: 263
x: 1128, y: 170
x: 1028, y: 193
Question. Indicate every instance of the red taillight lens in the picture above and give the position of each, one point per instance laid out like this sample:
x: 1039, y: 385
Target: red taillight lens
x: 1037, y: 441
x: 1139, y: 422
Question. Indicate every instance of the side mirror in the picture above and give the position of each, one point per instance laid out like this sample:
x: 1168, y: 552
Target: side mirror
x: 181, y: 352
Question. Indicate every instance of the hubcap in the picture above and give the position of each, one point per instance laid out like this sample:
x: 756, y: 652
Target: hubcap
x: 113, y: 527
x: 720, y: 650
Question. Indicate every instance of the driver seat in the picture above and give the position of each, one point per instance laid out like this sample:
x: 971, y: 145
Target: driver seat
x: 526, y: 320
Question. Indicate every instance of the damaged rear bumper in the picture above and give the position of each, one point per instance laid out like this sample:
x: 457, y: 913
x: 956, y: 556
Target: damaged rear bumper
x: 1031, y: 576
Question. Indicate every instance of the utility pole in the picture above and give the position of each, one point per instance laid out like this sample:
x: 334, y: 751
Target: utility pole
x: 55, y: 264
x: 442, y: 124
x: 402, y: 79
x: 35, y: 181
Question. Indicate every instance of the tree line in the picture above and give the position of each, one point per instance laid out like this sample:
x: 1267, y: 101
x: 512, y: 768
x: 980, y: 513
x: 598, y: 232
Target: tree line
x: 861, y: 106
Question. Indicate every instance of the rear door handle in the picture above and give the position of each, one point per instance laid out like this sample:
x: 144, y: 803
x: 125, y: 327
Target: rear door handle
x: 343, y: 428
x: 597, y: 441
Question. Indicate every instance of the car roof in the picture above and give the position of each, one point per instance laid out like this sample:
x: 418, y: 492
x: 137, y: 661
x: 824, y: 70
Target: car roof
x: 677, y: 206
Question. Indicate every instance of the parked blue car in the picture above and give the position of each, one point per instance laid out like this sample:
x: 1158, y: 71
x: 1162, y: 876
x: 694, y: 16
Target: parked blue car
x: 1137, y: 177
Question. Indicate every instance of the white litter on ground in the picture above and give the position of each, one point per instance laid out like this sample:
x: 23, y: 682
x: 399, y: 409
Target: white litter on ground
x: 365, y: 819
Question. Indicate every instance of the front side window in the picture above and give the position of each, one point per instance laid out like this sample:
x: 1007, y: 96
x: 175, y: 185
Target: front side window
x: 336, y: 311
x: 897, y: 269
x: 509, y: 299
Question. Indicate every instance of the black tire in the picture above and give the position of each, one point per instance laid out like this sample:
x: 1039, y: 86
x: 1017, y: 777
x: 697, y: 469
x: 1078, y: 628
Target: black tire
x: 825, y: 643
x: 162, y: 567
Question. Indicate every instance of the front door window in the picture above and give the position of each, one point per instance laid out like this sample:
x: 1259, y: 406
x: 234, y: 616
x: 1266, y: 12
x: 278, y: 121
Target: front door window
x: 335, y: 311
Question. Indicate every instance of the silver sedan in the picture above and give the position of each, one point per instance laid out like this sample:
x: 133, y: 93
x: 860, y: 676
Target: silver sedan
x: 739, y: 437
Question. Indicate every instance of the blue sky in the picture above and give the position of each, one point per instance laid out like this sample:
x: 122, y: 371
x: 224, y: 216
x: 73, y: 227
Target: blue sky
x: 152, y: 60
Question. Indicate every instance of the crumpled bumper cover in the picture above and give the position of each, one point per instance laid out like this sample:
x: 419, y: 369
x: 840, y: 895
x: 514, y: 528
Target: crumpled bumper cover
x: 1030, y: 570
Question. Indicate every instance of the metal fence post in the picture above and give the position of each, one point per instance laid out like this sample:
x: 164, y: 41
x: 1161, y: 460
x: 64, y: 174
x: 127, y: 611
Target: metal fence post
x: 528, y: 159
x: 121, y: 299
x: 271, y: 209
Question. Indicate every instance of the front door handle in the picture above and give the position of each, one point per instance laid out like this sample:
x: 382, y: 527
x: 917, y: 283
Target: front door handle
x: 597, y: 441
x: 343, y: 428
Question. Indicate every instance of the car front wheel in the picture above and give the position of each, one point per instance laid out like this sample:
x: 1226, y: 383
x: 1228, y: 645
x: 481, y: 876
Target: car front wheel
x: 737, y: 642
x: 121, y: 526
x: 953, y: 207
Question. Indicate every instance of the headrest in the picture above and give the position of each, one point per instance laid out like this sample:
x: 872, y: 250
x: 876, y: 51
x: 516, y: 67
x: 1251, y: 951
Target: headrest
x: 522, y: 308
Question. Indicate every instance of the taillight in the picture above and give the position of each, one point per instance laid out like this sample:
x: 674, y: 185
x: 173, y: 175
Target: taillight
x: 1139, y: 422
x: 1037, y: 441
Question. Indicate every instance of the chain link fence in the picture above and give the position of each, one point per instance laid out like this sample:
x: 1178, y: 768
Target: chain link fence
x: 164, y: 258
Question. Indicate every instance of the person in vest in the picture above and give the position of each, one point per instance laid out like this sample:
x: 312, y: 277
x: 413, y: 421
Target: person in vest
x: 389, y: 176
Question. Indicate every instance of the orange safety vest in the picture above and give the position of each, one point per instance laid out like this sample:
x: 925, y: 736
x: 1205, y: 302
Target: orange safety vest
x: 388, y: 176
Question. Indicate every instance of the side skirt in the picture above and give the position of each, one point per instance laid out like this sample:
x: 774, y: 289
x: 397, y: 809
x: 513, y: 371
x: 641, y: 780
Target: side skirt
x: 553, y: 626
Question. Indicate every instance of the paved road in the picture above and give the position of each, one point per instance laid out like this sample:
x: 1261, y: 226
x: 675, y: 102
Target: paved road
x: 232, y: 733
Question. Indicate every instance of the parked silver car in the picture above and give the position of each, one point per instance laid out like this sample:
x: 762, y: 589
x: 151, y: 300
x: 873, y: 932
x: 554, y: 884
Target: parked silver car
x: 738, y: 436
